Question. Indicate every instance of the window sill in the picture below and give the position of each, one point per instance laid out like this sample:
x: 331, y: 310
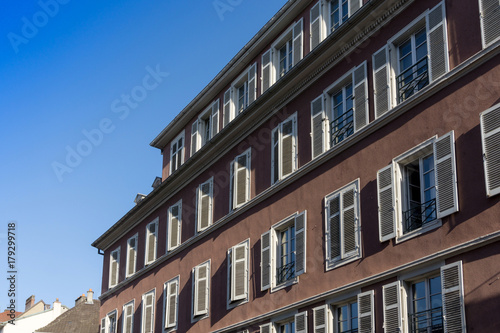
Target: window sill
x: 285, y: 284
x: 332, y: 264
x: 415, y: 233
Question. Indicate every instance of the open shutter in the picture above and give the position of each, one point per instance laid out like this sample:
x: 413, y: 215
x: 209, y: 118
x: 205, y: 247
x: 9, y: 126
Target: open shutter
x: 437, y: 41
x: 151, y: 254
x: 205, y: 205
x: 148, y: 313
x: 194, y: 137
x: 266, y: 71
x: 201, y: 290
x: 239, y: 272
x: 490, y: 135
x: 132, y: 249
x: 175, y: 226
x: 300, y: 243
x: 115, y: 261
x: 386, y: 203
x: 315, y: 25
x: 301, y: 322
x: 252, y: 83
x: 128, y: 318
x: 297, y: 42
x: 321, y: 319
x: 241, y: 178
x: 265, y: 261
x: 453, y: 298
x: 360, y: 96
x: 227, y: 107
x: 490, y: 16
x: 446, y: 175
x: 275, y: 155
x: 393, y: 316
x: 354, y: 6
x: 318, y: 132
x: 333, y: 227
x: 266, y: 328
x: 381, y: 84
x: 171, y: 306
x: 215, y: 119
x: 366, y: 318
x: 103, y: 325
x: 349, y: 219
x: 232, y: 202
x: 287, y: 146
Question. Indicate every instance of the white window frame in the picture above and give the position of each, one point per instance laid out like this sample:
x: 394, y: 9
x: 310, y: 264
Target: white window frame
x: 490, y: 130
x: 179, y: 153
x: 243, y: 79
x: 278, y: 159
x: 352, y: 5
x: 143, y: 311
x: 233, y: 186
x: 167, y: 299
x: 485, y: 14
x: 298, y: 318
x: 117, y: 271
x: 170, y: 247
x: 147, y: 260
x: 199, y: 195
x: 195, y: 314
x: 124, y: 316
x: 106, y: 321
x: 233, y: 301
x: 127, y: 265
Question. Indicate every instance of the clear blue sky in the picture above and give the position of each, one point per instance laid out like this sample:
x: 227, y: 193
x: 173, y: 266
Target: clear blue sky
x: 63, y: 71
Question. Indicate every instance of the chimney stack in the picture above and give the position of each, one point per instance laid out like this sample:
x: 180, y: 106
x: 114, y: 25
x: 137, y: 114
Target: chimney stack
x: 80, y: 299
x: 29, y: 303
x: 90, y: 296
x: 57, y: 307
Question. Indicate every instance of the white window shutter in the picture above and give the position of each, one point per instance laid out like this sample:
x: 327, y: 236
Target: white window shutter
x: 227, y: 108
x: 239, y: 272
x: 205, y: 205
x: 275, y: 155
x: 175, y: 226
x: 148, y: 313
x: 453, y: 297
x: 318, y: 132
x: 315, y: 25
x: 252, y: 83
x: 381, y: 81
x: 241, y: 176
x: 354, y: 6
x: 232, y: 202
x: 171, y: 304
x: 103, y: 325
x: 287, y: 148
x: 266, y: 328
x: 194, y: 137
x: 386, y: 203
x: 349, y: 220
x: 321, y: 319
x: 301, y: 322
x: 490, y: 16
x: 132, y: 252
x: 446, y: 175
x: 114, y: 267
x: 437, y: 41
x: 366, y: 316
x: 215, y: 119
x: 490, y: 135
x: 333, y: 230
x: 128, y: 318
x: 360, y: 83
x: 300, y: 243
x: 152, y: 230
x: 201, y: 290
x: 393, y: 315
x: 265, y: 261
x: 297, y: 42
x: 266, y: 70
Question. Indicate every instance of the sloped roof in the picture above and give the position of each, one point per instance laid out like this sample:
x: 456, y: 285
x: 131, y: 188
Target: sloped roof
x: 83, y: 318
x: 4, y: 316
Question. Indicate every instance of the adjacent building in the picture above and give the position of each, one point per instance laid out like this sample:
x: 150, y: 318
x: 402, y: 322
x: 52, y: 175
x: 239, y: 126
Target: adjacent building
x: 340, y: 174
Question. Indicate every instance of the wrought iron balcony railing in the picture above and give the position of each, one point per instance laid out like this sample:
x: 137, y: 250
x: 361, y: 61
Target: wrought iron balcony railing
x: 341, y: 127
x: 285, y: 272
x: 429, y: 321
x: 416, y: 217
x: 413, y: 79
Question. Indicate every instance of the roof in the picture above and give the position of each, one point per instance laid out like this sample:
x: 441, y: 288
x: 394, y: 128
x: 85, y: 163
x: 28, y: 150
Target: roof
x: 83, y: 318
x: 5, y: 316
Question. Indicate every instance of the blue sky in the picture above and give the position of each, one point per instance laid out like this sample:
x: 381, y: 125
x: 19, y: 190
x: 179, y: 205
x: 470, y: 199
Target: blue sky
x: 66, y: 69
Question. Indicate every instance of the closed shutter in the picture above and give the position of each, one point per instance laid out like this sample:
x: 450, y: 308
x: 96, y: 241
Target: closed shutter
x: 103, y: 325
x: 175, y: 226
x: 115, y: 262
x: 205, y: 205
x: 149, y: 313
x: 349, y: 222
x: 315, y: 25
x: 252, y: 83
x: 239, y: 272
x: 366, y: 318
x: 318, y: 132
x: 300, y: 243
x: 437, y: 41
x: 194, y: 137
x: 241, y: 179
x: 301, y: 322
x: 132, y: 249
x: 215, y: 119
x: 151, y: 251
x: 266, y: 328
x: 297, y: 42
x: 490, y: 16
x: 227, y: 108
x: 232, y: 202
x: 490, y: 135
x: 171, y: 306
x: 354, y: 6
x: 381, y: 79
x: 275, y: 155
x: 265, y: 260
x: 446, y: 175
x: 321, y: 319
x: 333, y: 228
x: 201, y: 290
x: 128, y: 318
x: 393, y: 316
x: 360, y: 96
x: 453, y: 298
x: 266, y: 71
x: 287, y: 147
x: 386, y: 203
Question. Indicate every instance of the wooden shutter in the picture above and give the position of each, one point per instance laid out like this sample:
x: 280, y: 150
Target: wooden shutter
x: 315, y: 25
x: 194, y: 137
x: 232, y: 202
x: 115, y: 262
x: 490, y: 16
x: 333, y: 227
x: 350, y: 244
x: 360, y: 84
x: 386, y: 203
x: 301, y: 322
x: 128, y: 318
x: 437, y: 42
x: 265, y: 261
x: 227, y: 108
x: 266, y: 70
x: 175, y: 226
x: 239, y: 272
x: 446, y: 175
x: 300, y: 243
x: 275, y: 155
x: 132, y: 251
x: 148, y: 313
x: 241, y: 179
x: 366, y: 318
x: 354, y: 6
x: 103, y: 325
x: 287, y: 145
x: 318, y: 132
x: 205, y: 205
x: 381, y: 81
x: 201, y: 290
x: 297, y: 42
x: 215, y: 119
x: 453, y: 298
x: 490, y: 135
x: 266, y: 328
x: 393, y: 315
x: 171, y: 304
x: 252, y: 83
x: 151, y: 251
x: 321, y: 319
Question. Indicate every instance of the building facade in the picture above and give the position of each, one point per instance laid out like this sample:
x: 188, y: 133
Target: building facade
x: 340, y: 174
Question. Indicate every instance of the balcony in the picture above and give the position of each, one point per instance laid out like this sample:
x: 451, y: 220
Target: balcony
x: 418, y: 216
x: 429, y: 321
x: 341, y: 127
x: 413, y: 79
x: 285, y: 272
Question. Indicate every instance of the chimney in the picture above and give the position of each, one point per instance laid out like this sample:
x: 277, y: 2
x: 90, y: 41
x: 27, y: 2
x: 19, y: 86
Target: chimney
x: 80, y: 299
x: 29, y: 303
x: 90, y: 296
x: 139, y: 198
x: 156, y: 183
x: 57, y: 307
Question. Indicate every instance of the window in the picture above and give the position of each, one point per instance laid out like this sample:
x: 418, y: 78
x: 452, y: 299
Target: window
x: 177, y: 152
x: 131, y: 255
x: 411, y: 60
x: 240, y: 180
x: 490, y: 137
x: 171, y: 300
x: 342, y: 226
x: 426, y: 306
x: 284, y: 149
x: 148, y: 312
x: 283, y: 252
x: 346, y: 316
x: 114, y: 267
x: 108, y: 323
x: 291, y: 324
x: 490, y: 16
x: 241, y: 94
x: 340, y: 111
x: 128, y: 317
x: 418, y: 188
x: 151, y: 240
x: 238, y: 265
x: 201, y: 290
x: 204, y: 205
x: 205, y: 127
x: 174, y: 225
